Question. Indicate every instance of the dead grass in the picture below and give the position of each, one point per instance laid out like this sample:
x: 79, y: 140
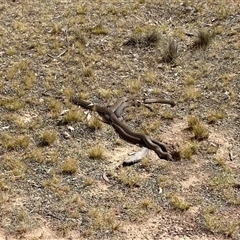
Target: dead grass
x: 203, y: 39
x: 69, y: 166
x: 96, y: 152
x: 186, y: 51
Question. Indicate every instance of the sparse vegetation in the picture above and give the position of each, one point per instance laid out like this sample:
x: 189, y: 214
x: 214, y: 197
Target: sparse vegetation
x: 129, y: 177
x: 13, y: 142
x: 203, y: 39
x: 147, y: 39
x: 170, y: 52
x: 96, y: 152
x: 219, y: 223
x: 179, y: 202
x: 216, y: 115
x: 73, y: 116
x: 198, y: 128
x: 103, y: 219
x: 191, y: 93
x: 69, y: 166
x: 12, y: 104
x: 61, y: 172
x: 188, y: 150
x: 48, y: 137
x: 200, y: 132
x: 95, y: 123
x: 99, y: 29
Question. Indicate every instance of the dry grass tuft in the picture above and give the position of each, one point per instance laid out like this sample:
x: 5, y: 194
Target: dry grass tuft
x: 73, y: 116
x: 99, y: 29
x: 203, y: 39
x: 48, y: 138
x: 179, y: 202
x: 69, y: 166
x: 216, y: 115
x: 103, y: 219
x: 12, y: 104
x: 148, y: 39
x: 96, y: 152
x: 197, y: 128
x: 188, y: 150
x: 129, y: 177
x: 14, y: 142
x: 200, y: 132
x: 217, y: 222
x: 94, y: 123
x: 170, y: 52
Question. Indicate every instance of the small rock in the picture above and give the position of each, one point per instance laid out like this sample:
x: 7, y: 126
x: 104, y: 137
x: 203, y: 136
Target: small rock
x: 5, y: 127
x: 66, y: 135
x: 70, y: 128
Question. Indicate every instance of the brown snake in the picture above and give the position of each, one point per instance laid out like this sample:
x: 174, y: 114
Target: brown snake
x: 111, y: 114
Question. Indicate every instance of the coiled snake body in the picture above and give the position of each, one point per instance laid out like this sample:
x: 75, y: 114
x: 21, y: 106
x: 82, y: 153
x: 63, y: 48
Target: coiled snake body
x: 111, y: 115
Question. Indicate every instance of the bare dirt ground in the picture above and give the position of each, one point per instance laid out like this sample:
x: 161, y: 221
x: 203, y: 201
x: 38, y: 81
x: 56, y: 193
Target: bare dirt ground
x: 58, y: 164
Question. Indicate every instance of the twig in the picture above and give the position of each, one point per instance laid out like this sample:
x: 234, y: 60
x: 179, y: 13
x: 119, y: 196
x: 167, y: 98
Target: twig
x: 62, y: 53
x: 65, y: 50
x: 231, y: 156
x: 67, y: 39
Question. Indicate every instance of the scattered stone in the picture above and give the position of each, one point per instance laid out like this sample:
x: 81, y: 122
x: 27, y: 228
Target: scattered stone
x: 66, y: 135
x: 70, y: 128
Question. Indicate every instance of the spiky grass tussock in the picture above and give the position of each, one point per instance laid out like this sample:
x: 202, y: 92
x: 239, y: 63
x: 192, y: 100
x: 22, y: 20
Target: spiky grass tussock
x: 170, y: 52
x: 202, y: 40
